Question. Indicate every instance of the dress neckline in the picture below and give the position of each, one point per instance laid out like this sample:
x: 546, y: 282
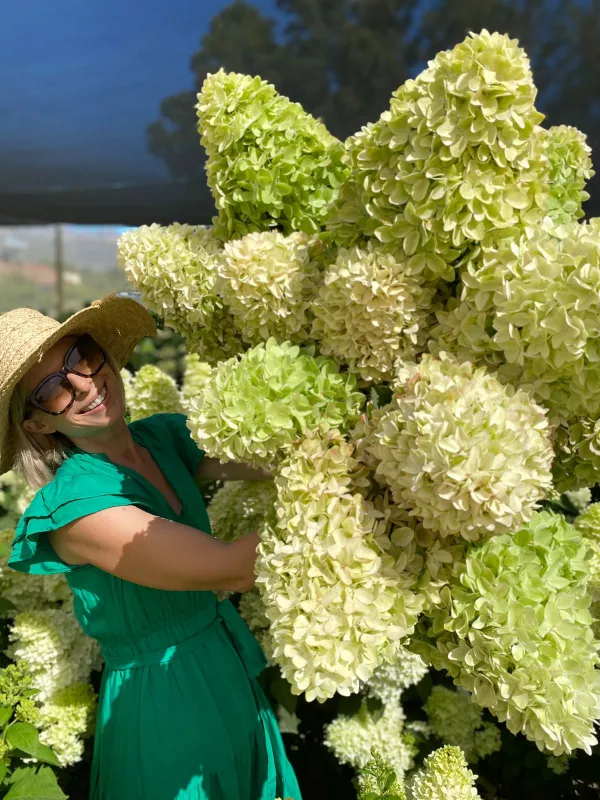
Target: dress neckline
x: 139, y: 439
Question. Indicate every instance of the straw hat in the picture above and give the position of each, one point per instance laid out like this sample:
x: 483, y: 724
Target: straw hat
x: 116, y: 323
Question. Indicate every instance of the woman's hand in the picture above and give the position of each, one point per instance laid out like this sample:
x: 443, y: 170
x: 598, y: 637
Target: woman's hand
x: 152, y: 551
x: 211, y: 469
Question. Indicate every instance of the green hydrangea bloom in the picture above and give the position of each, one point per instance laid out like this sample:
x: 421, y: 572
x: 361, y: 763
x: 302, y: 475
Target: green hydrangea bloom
x: 352, y: 738
x: 28, y: 592
x: 389, y: 680
x: 444, y: 776
x: 257, y: 405
x: 371, y: 310
x: 174, y: 269
x: 588, y: 522
x: 466, y: 454
x: 570, y: 168
x: 268, y: 282
x: 240, y: 507
x: 453, y: 159
x: 196, y: 375
x: 270, y: 164
x: 66, y: 719
x: 558, y: 764
x: 336, y: 607
x: 16, y: 681
x: 456, y: 720
x: 513, y: 628
x: 530, y: 306
x: 577, y: 454
x: 150, y: 391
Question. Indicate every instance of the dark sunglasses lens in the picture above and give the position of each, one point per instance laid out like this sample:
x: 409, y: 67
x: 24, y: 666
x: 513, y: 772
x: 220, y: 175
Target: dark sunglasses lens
x: 54, y: 395
x: 86, y: 357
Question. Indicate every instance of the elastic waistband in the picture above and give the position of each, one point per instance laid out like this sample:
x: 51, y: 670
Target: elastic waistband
x: 243, y: 641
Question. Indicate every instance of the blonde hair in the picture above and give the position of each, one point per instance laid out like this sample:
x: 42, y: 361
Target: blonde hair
x: 39, y: 455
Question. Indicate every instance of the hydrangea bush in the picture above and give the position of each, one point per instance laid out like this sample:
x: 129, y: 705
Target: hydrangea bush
x: 404, y: 328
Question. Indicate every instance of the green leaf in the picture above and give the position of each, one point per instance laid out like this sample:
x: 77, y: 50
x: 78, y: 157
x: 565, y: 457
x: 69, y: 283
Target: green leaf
x: 282, y: 692
x: 40, y: 785
x: 6, y: 605
x: 5, y: 714
x: 3, y: 769
x: 25, y: 737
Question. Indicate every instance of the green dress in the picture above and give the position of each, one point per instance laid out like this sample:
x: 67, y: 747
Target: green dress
x: 181, y: 715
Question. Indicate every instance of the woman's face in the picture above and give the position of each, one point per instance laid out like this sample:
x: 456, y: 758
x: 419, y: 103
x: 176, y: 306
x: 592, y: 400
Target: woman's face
x: 79, y: 421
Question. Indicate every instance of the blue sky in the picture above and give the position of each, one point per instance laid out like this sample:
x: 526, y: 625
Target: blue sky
x: 82, y: 79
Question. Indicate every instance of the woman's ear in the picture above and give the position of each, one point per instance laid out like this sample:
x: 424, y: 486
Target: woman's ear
x: 33, y: 425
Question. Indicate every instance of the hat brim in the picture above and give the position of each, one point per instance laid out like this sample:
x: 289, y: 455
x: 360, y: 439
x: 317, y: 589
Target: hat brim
x: 116, y: 323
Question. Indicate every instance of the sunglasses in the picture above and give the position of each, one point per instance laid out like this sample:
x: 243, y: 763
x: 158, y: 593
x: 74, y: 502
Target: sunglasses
x: 56, y: 394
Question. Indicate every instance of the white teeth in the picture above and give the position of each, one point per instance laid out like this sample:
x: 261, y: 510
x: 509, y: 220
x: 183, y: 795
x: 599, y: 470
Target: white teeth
x: 96, y: 402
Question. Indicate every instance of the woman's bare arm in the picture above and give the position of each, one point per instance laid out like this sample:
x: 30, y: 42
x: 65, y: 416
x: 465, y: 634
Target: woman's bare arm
x: 155, y: 552
x: 211, y: 469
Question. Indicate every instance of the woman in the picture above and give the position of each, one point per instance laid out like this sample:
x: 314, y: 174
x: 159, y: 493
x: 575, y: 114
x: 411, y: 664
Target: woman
x: 119, y: 512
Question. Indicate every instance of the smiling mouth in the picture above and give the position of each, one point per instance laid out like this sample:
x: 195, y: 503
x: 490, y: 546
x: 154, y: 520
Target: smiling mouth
x: 97, y: 402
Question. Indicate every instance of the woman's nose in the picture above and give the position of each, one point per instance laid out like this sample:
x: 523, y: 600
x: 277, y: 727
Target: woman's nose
x: 81, y: 383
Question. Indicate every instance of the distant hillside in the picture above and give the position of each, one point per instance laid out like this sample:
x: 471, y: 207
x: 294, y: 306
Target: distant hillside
x: 84, y: 248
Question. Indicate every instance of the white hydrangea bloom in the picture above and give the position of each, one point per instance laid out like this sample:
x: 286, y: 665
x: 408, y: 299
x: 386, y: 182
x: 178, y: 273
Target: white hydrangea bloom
x: 66, y: 719
x: 268, y: 283
x: 174, y: 269
x: 371, y: 310
x: 351, y: 738
x: 29, y: 592
x: 444, y: 776
x: 151, y: 391
x: 467, y: 455
x: 335, y: 612
x: 580, y: 498
x: 55, y: 649
x: 389, y: 680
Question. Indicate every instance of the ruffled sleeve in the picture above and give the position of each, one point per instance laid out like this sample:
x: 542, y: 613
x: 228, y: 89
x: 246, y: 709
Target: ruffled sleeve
x: 80, y: 487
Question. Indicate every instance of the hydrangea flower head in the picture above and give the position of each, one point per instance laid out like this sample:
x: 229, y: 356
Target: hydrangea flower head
x: 371, y: 310
x: 513, y: 628
x: 466, y: 454
x: 444, y: 776
x: 268, y: 282
x: 174, y: 269
x: 336, y: 611
x: 270, y: 164
x: 453, y: 159
x: 256, y: 406
x: 570, y: 168
x: 151, y: 391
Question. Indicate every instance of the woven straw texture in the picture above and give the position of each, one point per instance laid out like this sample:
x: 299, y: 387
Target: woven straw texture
x: 116, y: 323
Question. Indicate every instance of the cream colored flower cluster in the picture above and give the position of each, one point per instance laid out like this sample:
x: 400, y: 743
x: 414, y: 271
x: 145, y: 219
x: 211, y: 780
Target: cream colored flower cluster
x: 467, y: 456
x: 55, y: 649
x: 175, y: 272
x: 351, y: 738
x: 66, y: 719
x: 371, y: 310
x: 335, y: 616
x: 388, y: 681
x: 150, y: 391
x: 29, y: 592
x: 268, y: 282
x: 444, y: 776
